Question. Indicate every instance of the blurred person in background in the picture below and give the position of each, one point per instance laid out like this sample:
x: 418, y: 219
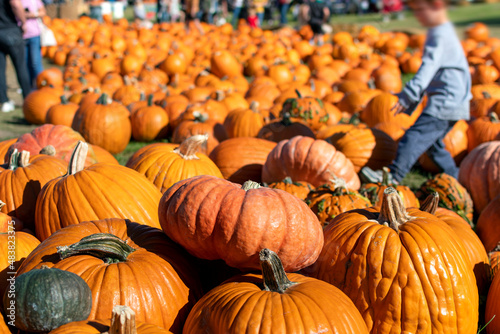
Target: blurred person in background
x: 283, y: 6
x: 237, y: 7
x: 259, y: 8
x: 317, y: 14
x: 12, y: 44
x: 33, y: 51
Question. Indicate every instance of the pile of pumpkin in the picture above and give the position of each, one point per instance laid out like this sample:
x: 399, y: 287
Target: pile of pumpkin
x: 260, y: 178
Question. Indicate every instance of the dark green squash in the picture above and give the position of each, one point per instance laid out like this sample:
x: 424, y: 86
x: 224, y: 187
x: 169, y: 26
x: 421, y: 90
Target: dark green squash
x: 47, y: 298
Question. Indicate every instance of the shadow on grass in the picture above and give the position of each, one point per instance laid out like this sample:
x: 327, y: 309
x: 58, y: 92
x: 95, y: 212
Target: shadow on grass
x: 494, y: 21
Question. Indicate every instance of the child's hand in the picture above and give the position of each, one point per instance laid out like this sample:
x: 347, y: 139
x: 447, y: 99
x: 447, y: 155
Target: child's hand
x: 398, y: 108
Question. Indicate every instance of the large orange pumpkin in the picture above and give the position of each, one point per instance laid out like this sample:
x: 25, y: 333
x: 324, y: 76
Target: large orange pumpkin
x: 387, y: 261
x: 307, y: 159
x: 100, y: 191
x: 274, y: 302
x: 217, y: 219
x: 124, y: 263
x: 166, y: 164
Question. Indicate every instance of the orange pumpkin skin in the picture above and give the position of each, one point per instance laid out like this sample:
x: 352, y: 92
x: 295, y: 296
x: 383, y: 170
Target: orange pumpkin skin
x: 149, y: 123
x: 62, y: 114
x: 102, y: 155
x: 62, y: 138
x: 155, y: 259
x: 307, y: 159
x: 283, y: 223
x: 365, y: 147
x: 20, y: 185
x: 241, y: 306
x: 4, y: 147
x: 487, y: 227
x: 378, y: 110
x: 244, y: 122
x: 483, y: 183
x: 102, y: 327
x: 298, y: 188
x: 483, y: 129
x: 90, y: 193
x: 165, y: 164
x: 37, y: 104
x: 241, y: 159
x: 493, y: 306
x: 24, y: 244
x: 388, y: 273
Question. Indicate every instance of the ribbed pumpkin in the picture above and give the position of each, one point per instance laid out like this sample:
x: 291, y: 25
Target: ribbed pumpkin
x: 4, y: 147
x: 223, y: 63
x: 365, y: 147
x: 47, y: 298
x: 11, y: 258
x: 387, y: 261
x: 308, y: 109
x: 21, y: 181
x: 480, y: 173
x: 63, y: 113
x: 55, y: 140
x: 241, y: 159
x: 284, y: 128
x: 493, y: 306
x: 104, y: 123
x: 482, y: 130
x: 122, y: 322
x: 166, y: 164
x: 331, y: 199
x: 124, y: 263
x: 244, y: 122
x: 217, y: 219
x: 375, y: 191
x: 298, y: 304
x: 379, y: 110
x: 38, y: 102
x: 475, y: 249
x: 9, y: 223
x: 452, y: 195
x: 149, y: 122
x: 487, y: 227
x: 92, y: 193
x: 298, y: 188
x: 307, y: 159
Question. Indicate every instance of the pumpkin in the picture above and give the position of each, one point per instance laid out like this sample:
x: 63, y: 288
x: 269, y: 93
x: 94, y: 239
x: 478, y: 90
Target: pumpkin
x: 480, y: 173
x: 105, y: 124
x: 102, y: 155
x: 365, y: 147
x: 386, y: 261
x: 379, y: 109
x: 393, y: 129
x: 149, y: 122
x: 21, y: 181
x: 354, y: 102
x: 124, y: 263
x: 243, y: 305
x: 122, y: 322
x: 91, y: 193
x: 223, y: 63
x: 37, y: 104
x: 308, y: 109
x: 166, y: 164
x: 47, y: 298
x: 284, y: 128
x: 482, y: 130
x: 475, y: 249
x: 331, y: 199
x: 477, y: 31
x: 16, y: 246
x: 482, y: 106
x: 8, y: 223
x: 55, y: 140
x: 244, y: 122
x: 375, y: 191
x: 492, y: 307
x: 199, y: 214
x: 4, y: 147
x: 452, y: 195
x: 307, y: 159
x: 51, y: 77
x: 487, y: 224
x: 298, y: 188
x: 241, y: 159
x: 63, y: 113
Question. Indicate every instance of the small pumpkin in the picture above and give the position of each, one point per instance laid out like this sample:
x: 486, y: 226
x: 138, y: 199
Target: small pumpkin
x: 308, y: 109
x: 298, y: 188
x: 149, y: 122
x: 47, y: 298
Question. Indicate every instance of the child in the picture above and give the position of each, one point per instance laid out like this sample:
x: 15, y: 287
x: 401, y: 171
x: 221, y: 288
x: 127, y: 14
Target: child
x: 318, y: 14
x: 253, y: 19
x: 444, y: 76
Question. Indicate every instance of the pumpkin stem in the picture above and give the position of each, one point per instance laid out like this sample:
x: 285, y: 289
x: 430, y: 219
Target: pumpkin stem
x: 275, y: 279
x: 219, y: 95
x: 298, y: 93
x: 392, y: 212
x: 250, y: 185
x: 48, y: 150
x: 200, y: 117
x: 431, y: 203
x: 494, y: 117
x: 78, y: 157
x: 104, y: 99
x: 150, y: 99
x: 2, y: 204
x: 188, y: 148
x: 254, y: 106
x: 24, y: 159
x: 486, y: 95
x: 14, y: 160
x: 287, y: 180
x: 385, y: 176
x: 105, y: 246
x: 122, y: 320
x: 64, y: 99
